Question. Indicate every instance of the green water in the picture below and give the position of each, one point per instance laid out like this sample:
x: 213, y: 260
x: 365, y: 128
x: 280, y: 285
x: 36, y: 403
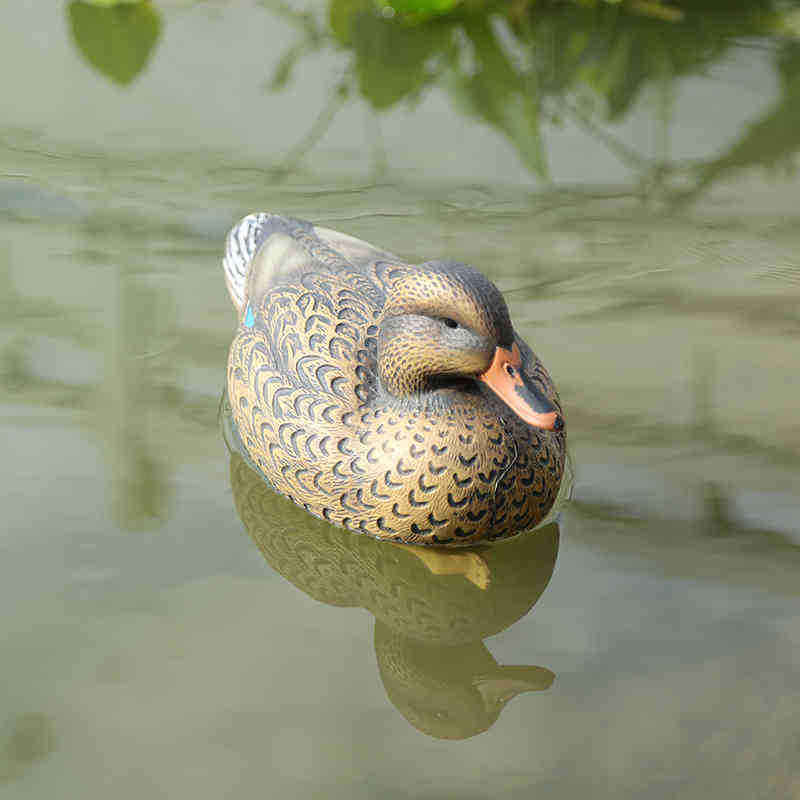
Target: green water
x: 626, y: 175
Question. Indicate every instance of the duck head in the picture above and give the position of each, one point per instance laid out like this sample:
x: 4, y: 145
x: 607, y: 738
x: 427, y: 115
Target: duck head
x: 445, y: 323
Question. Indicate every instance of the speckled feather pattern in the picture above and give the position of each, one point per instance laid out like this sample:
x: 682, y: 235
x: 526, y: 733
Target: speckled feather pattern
x: 312, y: 413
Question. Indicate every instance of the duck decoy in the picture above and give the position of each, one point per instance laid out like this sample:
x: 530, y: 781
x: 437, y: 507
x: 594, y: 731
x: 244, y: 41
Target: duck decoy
x: 392, y: 399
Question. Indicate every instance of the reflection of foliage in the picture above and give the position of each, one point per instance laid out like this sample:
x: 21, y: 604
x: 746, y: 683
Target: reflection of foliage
x: 518, y: 65
x: 116, y: 38
x: 771, y: 140
x: 140, y: 489
x: 311, y: 39
x: 500, y: 94
x: 617, y: 51
x: 417, y: 10
x: 392, y: 60
x: 26, y: 740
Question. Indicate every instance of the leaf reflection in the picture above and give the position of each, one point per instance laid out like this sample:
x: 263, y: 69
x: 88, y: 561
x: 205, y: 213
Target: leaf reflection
x: 116, y: 38
x: 520, y: 67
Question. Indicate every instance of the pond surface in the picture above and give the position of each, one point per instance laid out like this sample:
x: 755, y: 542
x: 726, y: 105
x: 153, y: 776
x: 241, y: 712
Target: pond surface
x: 625, y: 175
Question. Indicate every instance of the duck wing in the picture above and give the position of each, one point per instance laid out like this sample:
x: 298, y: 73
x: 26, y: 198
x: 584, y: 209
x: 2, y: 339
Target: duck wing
x: 265, y: 250
x: 300, y: 371
x: 359, y: 253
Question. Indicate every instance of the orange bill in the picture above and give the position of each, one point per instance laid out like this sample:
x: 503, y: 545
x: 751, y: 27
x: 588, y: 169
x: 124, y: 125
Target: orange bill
x: 506, y: 379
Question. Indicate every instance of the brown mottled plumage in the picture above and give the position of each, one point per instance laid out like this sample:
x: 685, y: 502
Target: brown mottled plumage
x: 362, y: 388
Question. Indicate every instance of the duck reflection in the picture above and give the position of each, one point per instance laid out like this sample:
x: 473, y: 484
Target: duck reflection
x: 432, y: 608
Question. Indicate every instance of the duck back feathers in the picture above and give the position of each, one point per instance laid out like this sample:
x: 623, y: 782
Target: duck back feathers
x: 305, y: 394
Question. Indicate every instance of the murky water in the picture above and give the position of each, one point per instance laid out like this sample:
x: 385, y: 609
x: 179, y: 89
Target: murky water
x: 172, y: 629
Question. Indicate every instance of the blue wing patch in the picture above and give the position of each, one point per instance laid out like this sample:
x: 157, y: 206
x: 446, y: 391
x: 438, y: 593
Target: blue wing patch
x: 249, y: 317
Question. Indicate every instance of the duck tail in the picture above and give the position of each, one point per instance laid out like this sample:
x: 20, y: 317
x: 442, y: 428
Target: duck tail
x: 241, y: 245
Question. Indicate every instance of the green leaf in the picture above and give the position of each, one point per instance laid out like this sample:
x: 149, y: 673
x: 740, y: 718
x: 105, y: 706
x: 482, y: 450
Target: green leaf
x: 116, y: 38
x: 391, y: 59
x: 341, y: 14
x: 420, y: 9
x: 108, y: 3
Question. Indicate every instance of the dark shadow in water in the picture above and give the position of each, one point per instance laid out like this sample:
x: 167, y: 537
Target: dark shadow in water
x: 432, y: 608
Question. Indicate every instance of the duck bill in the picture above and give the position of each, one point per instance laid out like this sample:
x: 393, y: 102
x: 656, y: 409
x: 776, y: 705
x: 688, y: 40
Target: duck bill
x: 507, y: 380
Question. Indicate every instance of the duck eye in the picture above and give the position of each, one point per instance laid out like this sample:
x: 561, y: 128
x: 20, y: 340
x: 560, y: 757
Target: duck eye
x: 451, y: 323
x: 510, y: 370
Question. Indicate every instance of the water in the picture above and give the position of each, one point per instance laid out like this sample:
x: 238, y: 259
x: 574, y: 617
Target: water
x: 625, y: 177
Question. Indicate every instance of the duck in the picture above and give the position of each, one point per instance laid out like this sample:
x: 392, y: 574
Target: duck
x: 392, y: 399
